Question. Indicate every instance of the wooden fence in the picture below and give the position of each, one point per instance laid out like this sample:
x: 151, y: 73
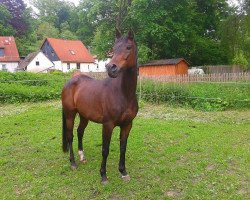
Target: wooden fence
x: 214, y: 78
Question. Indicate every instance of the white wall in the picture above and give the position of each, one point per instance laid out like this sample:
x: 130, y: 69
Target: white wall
x: 88, y: 67
x: 102, y: 64
x: 58, y: 65
x: 44, y: 63
x: 10, y: 66
x: 84, y: 67
x: 98, y: 66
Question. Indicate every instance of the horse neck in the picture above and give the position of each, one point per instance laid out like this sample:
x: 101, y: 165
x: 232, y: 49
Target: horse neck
x: 127, y: 82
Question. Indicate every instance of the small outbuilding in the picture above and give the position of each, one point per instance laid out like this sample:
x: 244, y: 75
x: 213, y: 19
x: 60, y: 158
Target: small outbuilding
x: 178, y: 66
x: 36, y: 62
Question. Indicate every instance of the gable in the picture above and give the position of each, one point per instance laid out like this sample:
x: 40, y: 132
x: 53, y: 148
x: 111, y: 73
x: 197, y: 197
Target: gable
x: 49, y: 51
x: 32, y: 58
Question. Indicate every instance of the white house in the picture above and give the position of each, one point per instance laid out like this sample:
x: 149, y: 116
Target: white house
x: 9, y: 56
x: 68, y: 55
x: 101, y: 65
x: 36, y: 62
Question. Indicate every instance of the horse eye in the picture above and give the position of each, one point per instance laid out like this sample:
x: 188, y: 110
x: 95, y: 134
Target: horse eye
x: 129, y: 47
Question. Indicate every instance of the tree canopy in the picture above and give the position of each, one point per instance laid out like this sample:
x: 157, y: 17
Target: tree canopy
x: 202, y: 32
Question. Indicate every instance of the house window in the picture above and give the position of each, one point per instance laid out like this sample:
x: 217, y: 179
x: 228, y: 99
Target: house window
x: 4, y: 67
x: 68, y: 66
x: 72, y: 52
x: 37, y: 63
x: 52, y: 53
x: 78, y: 66
x: 1, y: 52
x: 88, y: 67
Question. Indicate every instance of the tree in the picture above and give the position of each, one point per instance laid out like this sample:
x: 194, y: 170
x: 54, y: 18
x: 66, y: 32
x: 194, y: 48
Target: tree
x: 96, y: 26
x: 66, y: 33
x: 54, y: 12
x: 235, y: 33
x: 5, y: 16
x: 45, y: 30
x: 164, y: 28
x: 17, y: 10
x: 240, y: 59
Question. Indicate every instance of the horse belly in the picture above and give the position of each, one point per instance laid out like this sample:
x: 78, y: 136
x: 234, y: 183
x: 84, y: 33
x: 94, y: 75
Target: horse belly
x: 89, y: 107
x: 128, y: 116
x: 91, y: 112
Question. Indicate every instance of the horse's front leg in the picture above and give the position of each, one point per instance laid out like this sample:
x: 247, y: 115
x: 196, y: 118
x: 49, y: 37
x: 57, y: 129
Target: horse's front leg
x: 124, y: 133
x: 106, y: 137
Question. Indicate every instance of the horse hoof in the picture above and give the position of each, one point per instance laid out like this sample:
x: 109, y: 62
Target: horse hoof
x: 83, y: 161
x: 105, y: 182
x: 126, y: 178
x: 73, y: 167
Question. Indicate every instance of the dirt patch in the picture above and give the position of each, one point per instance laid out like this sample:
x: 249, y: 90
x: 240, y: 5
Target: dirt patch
x: 210, y: 167
x: 173, y: 193
x: 167, y: 112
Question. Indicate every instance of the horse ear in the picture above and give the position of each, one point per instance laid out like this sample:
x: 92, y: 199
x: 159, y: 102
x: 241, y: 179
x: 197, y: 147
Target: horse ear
x: 117, y: 33
x: 131, y: 34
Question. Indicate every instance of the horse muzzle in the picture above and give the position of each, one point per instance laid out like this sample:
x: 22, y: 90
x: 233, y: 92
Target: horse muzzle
x: 113, y: 70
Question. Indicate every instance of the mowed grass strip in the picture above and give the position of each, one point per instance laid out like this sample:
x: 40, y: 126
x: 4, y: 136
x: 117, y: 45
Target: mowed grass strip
x: 172, y: 153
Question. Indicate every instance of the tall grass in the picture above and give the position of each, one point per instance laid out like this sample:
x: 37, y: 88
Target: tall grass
x: 30, y: 87
x: 202, y: 96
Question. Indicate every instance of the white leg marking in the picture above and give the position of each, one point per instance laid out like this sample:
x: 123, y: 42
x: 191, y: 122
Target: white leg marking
x: 126, y: 178
x: 81, y: 154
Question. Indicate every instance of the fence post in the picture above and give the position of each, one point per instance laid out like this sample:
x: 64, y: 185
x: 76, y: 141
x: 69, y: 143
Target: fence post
x: 139, y: 88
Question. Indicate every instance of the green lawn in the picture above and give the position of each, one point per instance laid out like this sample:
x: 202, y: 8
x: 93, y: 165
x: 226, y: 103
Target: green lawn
x: 173, y: 153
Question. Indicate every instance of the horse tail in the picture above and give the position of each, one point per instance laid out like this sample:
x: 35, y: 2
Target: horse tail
x: 64, y: 133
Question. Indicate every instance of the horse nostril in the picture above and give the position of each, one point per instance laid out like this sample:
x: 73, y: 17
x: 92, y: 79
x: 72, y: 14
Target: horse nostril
x: 113, y: 68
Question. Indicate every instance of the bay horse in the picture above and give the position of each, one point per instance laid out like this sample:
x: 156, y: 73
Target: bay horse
x: 111, y: 102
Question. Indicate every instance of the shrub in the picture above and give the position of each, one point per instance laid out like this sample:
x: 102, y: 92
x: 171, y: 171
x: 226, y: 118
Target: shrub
x: 30, y: 87
x: 201, y: 96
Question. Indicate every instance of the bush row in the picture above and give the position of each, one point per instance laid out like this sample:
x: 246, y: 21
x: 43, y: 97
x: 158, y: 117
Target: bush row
x: 201, y: 96
x: 29, y: 87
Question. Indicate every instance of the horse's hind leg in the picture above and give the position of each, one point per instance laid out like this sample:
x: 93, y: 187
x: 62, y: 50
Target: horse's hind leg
x: 80, y: 132
x: 70, y: 118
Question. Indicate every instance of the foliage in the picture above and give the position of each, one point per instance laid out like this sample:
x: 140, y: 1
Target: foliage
x: 5, y: 16
x: 235, y: 33
x: 201, y: 96
x: 203, y: 32
x: 17, y: 10
x: 240, y: 59
x: 30, y: 87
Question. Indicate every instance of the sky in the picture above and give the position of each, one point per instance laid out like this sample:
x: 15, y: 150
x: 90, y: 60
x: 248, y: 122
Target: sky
x: 76, y: 2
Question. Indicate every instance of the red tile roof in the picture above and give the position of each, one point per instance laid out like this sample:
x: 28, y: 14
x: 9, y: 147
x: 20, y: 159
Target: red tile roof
x: 71, y: 50
x: 10, y: 50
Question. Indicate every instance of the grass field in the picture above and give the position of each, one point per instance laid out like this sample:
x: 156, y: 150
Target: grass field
x: 173, y: 153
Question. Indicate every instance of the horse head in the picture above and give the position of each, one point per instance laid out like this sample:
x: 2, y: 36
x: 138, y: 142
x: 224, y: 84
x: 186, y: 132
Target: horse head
x: 124, y: 54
